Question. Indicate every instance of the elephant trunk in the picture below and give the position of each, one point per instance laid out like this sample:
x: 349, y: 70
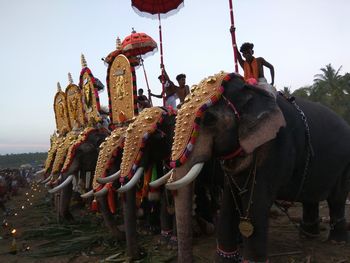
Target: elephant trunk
x: 129, y: 211
x: 183, y: 212
x: 108, y: 218
x: 65, y: 197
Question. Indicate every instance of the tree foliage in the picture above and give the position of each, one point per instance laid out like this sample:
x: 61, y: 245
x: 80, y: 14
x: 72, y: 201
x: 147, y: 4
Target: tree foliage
x: 331, y: 89
x: 16, y: 160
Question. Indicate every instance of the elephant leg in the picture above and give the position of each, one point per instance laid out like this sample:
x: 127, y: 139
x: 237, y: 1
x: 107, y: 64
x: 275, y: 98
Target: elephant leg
x: 227, y: 230
x: 338, y: 226
x: 64, y: 202
x: 166, y: 219
x: 108, y: 218
x: 310, y: 225
x: 129, y: 211
x: 183, y: 212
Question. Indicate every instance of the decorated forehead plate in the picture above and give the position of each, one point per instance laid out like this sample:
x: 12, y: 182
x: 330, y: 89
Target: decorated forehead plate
x: 55, y: 141
x: 108, y: 149
x: 137, y: 133
x: 203, y: 95
x: 83, y: 136
x: 62, y: 151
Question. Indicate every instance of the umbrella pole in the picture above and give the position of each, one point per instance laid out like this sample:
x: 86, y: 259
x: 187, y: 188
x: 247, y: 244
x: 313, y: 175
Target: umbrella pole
x: 161, y: 57
x: 148, y: 89
x: 233, y: 36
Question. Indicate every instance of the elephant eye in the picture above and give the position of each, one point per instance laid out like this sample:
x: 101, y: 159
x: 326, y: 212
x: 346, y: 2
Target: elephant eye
x: 209, y: 119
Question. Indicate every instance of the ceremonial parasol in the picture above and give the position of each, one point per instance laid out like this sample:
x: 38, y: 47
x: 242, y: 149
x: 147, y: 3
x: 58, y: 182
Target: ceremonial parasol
x: 157, y: 9
x: 233, y: 36
x: 139, y: 45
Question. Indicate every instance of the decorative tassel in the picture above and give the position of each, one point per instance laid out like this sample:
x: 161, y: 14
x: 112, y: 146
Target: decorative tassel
x: 94, y: 206
x: 110, y: 198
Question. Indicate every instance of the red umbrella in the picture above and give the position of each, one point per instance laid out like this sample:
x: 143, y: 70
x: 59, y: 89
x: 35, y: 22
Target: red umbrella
x: 139, y: 45
x: 157, y: 9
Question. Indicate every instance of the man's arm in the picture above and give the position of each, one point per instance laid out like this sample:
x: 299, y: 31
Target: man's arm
x: 238, y: 54
x: 239, y: 57
x: 157, y: 96
x: 272, y: 70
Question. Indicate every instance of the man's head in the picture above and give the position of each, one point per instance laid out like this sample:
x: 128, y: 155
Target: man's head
x: 140, y: 92
x: 181, y: 79
x: 247, y: 50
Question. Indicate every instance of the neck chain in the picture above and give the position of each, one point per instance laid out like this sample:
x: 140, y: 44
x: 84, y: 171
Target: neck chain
x: 245, y: 226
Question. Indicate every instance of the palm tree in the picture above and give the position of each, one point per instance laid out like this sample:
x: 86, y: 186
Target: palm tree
x: 286, y: 91
x: 330, y: 76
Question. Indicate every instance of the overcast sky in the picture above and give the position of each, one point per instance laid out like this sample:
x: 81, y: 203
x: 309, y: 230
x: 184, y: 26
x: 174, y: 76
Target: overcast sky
x: 41, y: 41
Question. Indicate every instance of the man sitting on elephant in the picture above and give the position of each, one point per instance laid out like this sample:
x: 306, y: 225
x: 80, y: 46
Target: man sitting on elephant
x: 253, y: 67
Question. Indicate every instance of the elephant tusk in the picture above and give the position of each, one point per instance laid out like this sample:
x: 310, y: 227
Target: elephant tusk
x: 47, y: 179
x: 41, y: 172
x: 132, y: 182
x: 57, y: 180
x: 111, y: 178
x: 88, y: 194
x: 188, y: 178
x: 162, y: 180
x: 102, y: 192
x: 62, y: 185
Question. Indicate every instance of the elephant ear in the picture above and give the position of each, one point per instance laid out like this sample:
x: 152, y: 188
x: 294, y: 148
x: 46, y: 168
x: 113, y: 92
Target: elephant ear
x: 260, y: 116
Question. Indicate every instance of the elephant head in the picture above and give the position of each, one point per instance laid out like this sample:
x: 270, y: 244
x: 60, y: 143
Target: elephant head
x: 222, y: 117
x: 148, y: 141
x: 81, y: 156
x: 106, y: 172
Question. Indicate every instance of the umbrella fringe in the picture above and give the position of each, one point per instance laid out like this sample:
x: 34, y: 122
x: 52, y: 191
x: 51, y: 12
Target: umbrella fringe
x: 155, y: 15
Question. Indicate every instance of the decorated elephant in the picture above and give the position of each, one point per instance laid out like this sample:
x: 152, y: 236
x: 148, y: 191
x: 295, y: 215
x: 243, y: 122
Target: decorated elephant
x: 79, y: 166
x: 107, y: 169
x: 147, y: 141
x: 147, y: 147
x: 271, y: 148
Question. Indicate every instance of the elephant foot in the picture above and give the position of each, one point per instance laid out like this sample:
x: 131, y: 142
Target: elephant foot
x: 309, y: 230
x: 338, y: 232
x: 228, y: 257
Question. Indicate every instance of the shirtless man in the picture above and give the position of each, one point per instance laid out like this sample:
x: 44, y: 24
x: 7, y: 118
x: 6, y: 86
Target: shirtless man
x: 183, y: 89
x: 253, y: 67
x: 169, y: 90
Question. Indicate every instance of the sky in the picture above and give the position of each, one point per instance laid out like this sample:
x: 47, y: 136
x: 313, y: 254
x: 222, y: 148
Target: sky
x: 42, y: 40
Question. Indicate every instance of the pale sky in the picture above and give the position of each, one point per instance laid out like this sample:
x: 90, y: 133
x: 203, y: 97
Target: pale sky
x: 41, y: 41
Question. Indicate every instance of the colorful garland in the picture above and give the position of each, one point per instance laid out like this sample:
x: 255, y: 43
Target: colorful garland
x: 196, y: 125
x: 125, y: 179
x: 83, y: 136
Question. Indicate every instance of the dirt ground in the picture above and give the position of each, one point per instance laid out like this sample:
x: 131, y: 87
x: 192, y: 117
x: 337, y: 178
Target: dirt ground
x: 40, y: 239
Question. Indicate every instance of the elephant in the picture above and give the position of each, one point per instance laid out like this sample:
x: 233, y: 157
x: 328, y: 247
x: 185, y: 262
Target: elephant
x: 149, y: 137
x: 107, y: 169
x: 81, y: 158
x: 271, y: 148
x: 156, y: 134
